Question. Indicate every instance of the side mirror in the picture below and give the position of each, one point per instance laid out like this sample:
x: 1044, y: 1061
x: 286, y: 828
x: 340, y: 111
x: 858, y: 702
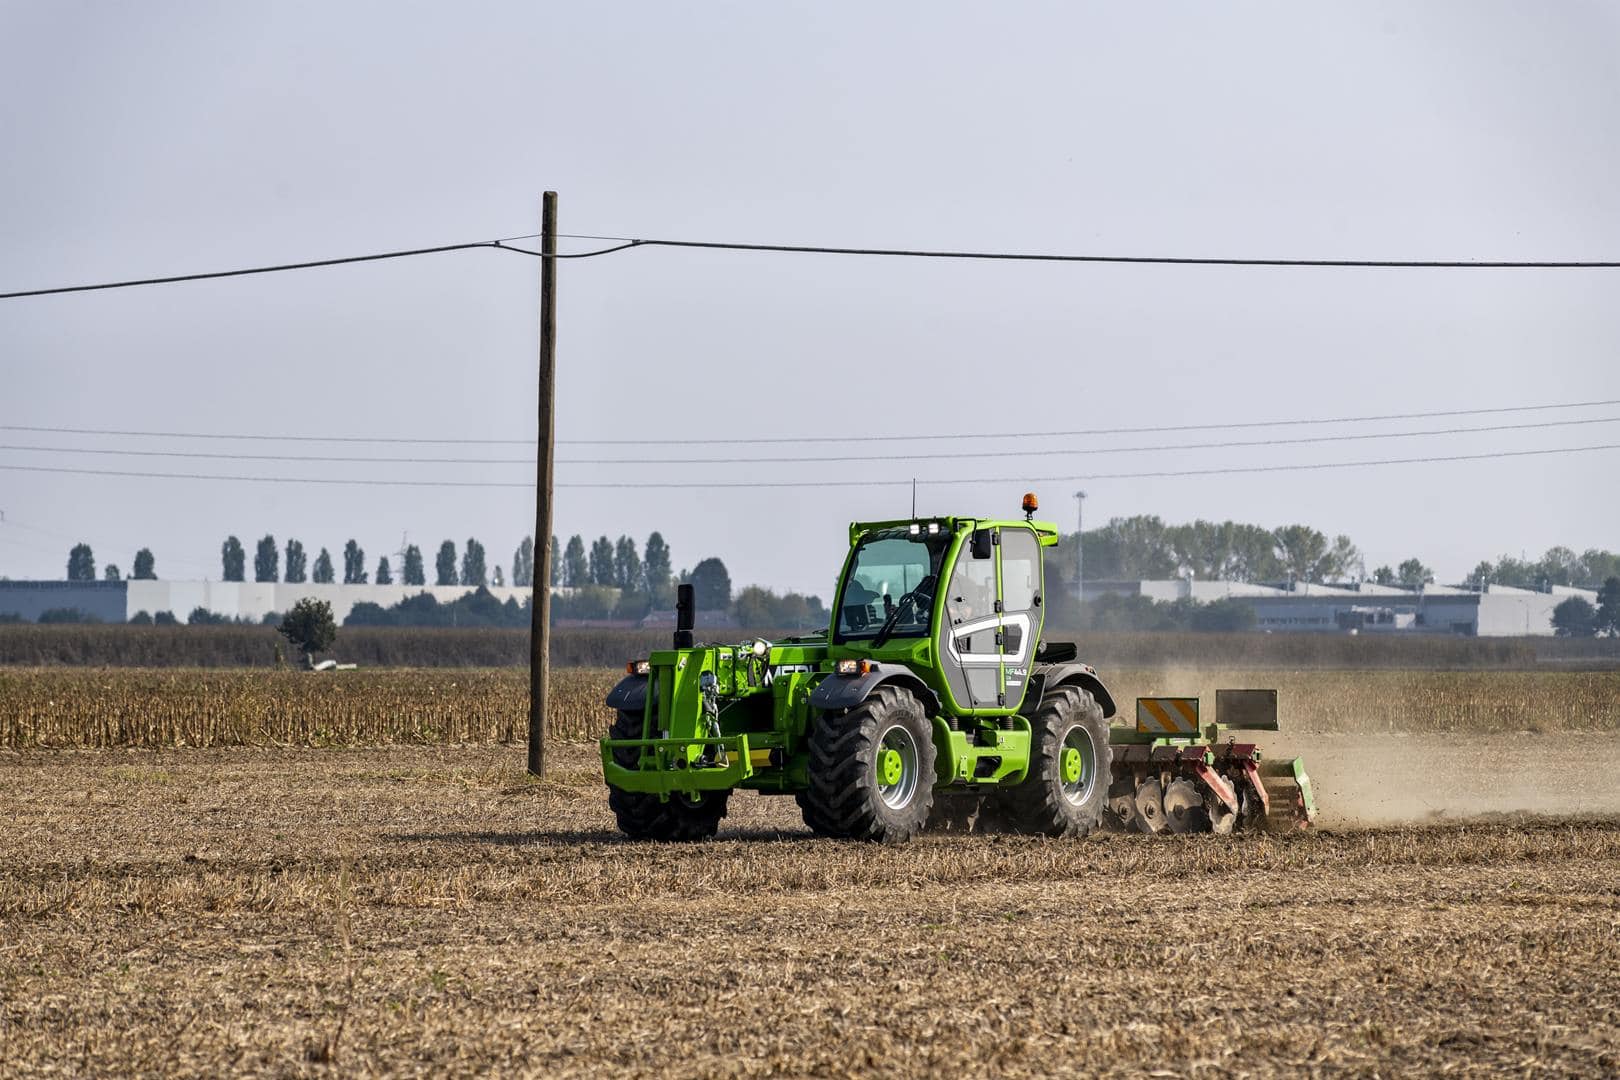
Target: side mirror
x: 983, y: 543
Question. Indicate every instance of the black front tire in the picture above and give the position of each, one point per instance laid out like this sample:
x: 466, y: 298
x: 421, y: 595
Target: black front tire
x: 642, y: 816
x: 857, y: 790
x: 1049, y: 802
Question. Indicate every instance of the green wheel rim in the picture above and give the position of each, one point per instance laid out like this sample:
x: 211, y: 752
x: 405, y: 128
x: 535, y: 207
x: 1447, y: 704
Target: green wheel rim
x: 1077, y: 765
x: 896, y: 765
x: 1073, y: 766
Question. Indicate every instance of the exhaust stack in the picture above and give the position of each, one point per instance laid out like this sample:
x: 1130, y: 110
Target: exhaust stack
x: 685, y: 615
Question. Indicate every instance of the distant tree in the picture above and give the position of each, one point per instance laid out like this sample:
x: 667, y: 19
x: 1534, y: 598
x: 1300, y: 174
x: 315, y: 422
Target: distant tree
x: 140, y: 618
x: 472, y: 564
x: 233, y: 560
x: 1253, y: 555
x: 144, y: 569
x: 354, y: 564
x: 1307, y: 555
x: 414, y: 572
x: 112, y: 573
x: 297, y: 563
x: 1481, y: 577
x: 1574, y: 617
x: 496, y: 579
x: 523, y: 563
x: 1413, y: 574
x: 602, y: 562
x: 322, y: 574
x: 1607, y: 620
x: 445, y: 564
x: 626, y: 565
x: 1559, y: 566
x: 201, y: 616
x: 576, y: 572
x: 1383, y: 576
x: 1516, y: 573
x: 81, y: 563
x: 556, y: 562
x: 309, y: 627
x: 165, y: 618
x: 1597, y: 567
x: 385, y: 574
x: 711, y: 585
x: 1139, y: 547
x: 755, y: 607
x: 266, y: 560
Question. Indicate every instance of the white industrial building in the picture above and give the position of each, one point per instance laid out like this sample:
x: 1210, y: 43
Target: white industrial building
x: 1364, y: 607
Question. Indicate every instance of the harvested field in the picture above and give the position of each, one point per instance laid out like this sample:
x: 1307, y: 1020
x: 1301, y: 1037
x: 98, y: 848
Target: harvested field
x: 591, y: 646
x: 428, y: 910
x: 95, y: 707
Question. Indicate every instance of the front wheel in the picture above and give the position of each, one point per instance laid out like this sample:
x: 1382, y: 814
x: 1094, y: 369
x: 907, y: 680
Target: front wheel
x: 643, y: 816
x: 872, y: 770
x: 1066, y: 787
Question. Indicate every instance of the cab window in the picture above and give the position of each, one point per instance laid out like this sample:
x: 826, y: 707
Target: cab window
x: 892, y: 575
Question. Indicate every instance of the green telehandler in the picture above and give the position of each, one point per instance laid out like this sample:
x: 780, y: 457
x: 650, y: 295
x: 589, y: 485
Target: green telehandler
x: 931, y: 702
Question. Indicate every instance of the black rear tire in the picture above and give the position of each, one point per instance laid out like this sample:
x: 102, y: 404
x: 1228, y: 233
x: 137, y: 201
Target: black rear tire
x: 1068, y: 731
x: 859, y: 791
x: 643, y: 816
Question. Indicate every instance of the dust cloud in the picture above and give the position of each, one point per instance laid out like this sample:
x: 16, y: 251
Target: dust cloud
x: 1383, y: 779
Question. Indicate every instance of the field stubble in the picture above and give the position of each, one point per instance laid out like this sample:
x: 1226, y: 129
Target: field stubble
x: 424, y: 910
x: 115, y: 707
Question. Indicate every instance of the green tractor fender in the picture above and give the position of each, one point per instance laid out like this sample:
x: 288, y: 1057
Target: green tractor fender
x: 848, y: 691
x: 630, y: 695
x: 1074, y: 673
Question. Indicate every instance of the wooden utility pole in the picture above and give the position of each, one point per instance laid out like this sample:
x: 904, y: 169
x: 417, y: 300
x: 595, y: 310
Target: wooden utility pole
x: 540, y: 604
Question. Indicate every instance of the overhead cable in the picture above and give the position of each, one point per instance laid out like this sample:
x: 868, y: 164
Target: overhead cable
x: 624, y: 243
x: 496, y: 245
x: 775, y: 440
x: 1156, y: 448
x: 848, y: 482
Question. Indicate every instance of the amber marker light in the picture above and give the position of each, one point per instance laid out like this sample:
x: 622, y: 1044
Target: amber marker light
x: 1031, y: 503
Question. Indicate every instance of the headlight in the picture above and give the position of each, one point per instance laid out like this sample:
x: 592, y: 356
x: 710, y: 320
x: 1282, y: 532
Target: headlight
x: 855, y: 667
x: 637, y: 667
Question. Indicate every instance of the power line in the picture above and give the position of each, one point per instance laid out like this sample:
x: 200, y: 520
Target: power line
x: 822, y: 459
x: 844, y: 483
x: 496, y: 245
x: 1153, y: 260
x: 625, y: 243
x: 775, y: 440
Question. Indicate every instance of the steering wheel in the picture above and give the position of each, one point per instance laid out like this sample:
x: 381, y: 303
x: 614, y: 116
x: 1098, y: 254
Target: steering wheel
x: 915, y: 598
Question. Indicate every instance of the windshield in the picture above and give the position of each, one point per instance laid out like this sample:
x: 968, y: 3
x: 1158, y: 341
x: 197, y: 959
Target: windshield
x: 893, y: 576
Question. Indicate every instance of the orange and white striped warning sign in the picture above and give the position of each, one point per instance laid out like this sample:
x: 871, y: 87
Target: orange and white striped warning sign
x: 1167, y: 715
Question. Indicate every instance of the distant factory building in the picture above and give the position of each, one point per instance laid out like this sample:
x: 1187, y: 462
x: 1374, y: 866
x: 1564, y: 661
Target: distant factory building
x: 1366, y: 608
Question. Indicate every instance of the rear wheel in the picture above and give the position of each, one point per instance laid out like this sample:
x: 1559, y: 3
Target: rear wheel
x: 1067, y: 785
x: 643, y: 816
x: 871, y: 770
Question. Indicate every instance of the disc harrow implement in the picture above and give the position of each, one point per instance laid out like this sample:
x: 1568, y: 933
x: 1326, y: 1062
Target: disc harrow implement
x: 1171, y: 775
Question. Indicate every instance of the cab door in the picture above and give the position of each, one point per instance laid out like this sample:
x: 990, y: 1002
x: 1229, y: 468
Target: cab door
x: 1018, y: 559
x: 992, y: 618
x: 970, y: 625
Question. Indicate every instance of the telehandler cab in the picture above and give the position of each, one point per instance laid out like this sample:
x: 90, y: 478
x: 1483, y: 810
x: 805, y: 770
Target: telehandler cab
x: 931, y: 701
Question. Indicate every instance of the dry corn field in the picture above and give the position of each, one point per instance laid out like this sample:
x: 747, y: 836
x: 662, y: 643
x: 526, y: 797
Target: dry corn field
x: 274, y: 873
x: 429, y: 911
x: 108, y: 707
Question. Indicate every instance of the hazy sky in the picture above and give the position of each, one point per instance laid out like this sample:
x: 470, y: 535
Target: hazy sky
x: 163, y: 138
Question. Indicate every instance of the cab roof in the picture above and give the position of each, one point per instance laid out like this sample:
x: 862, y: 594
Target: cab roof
x: 1045, y: 530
